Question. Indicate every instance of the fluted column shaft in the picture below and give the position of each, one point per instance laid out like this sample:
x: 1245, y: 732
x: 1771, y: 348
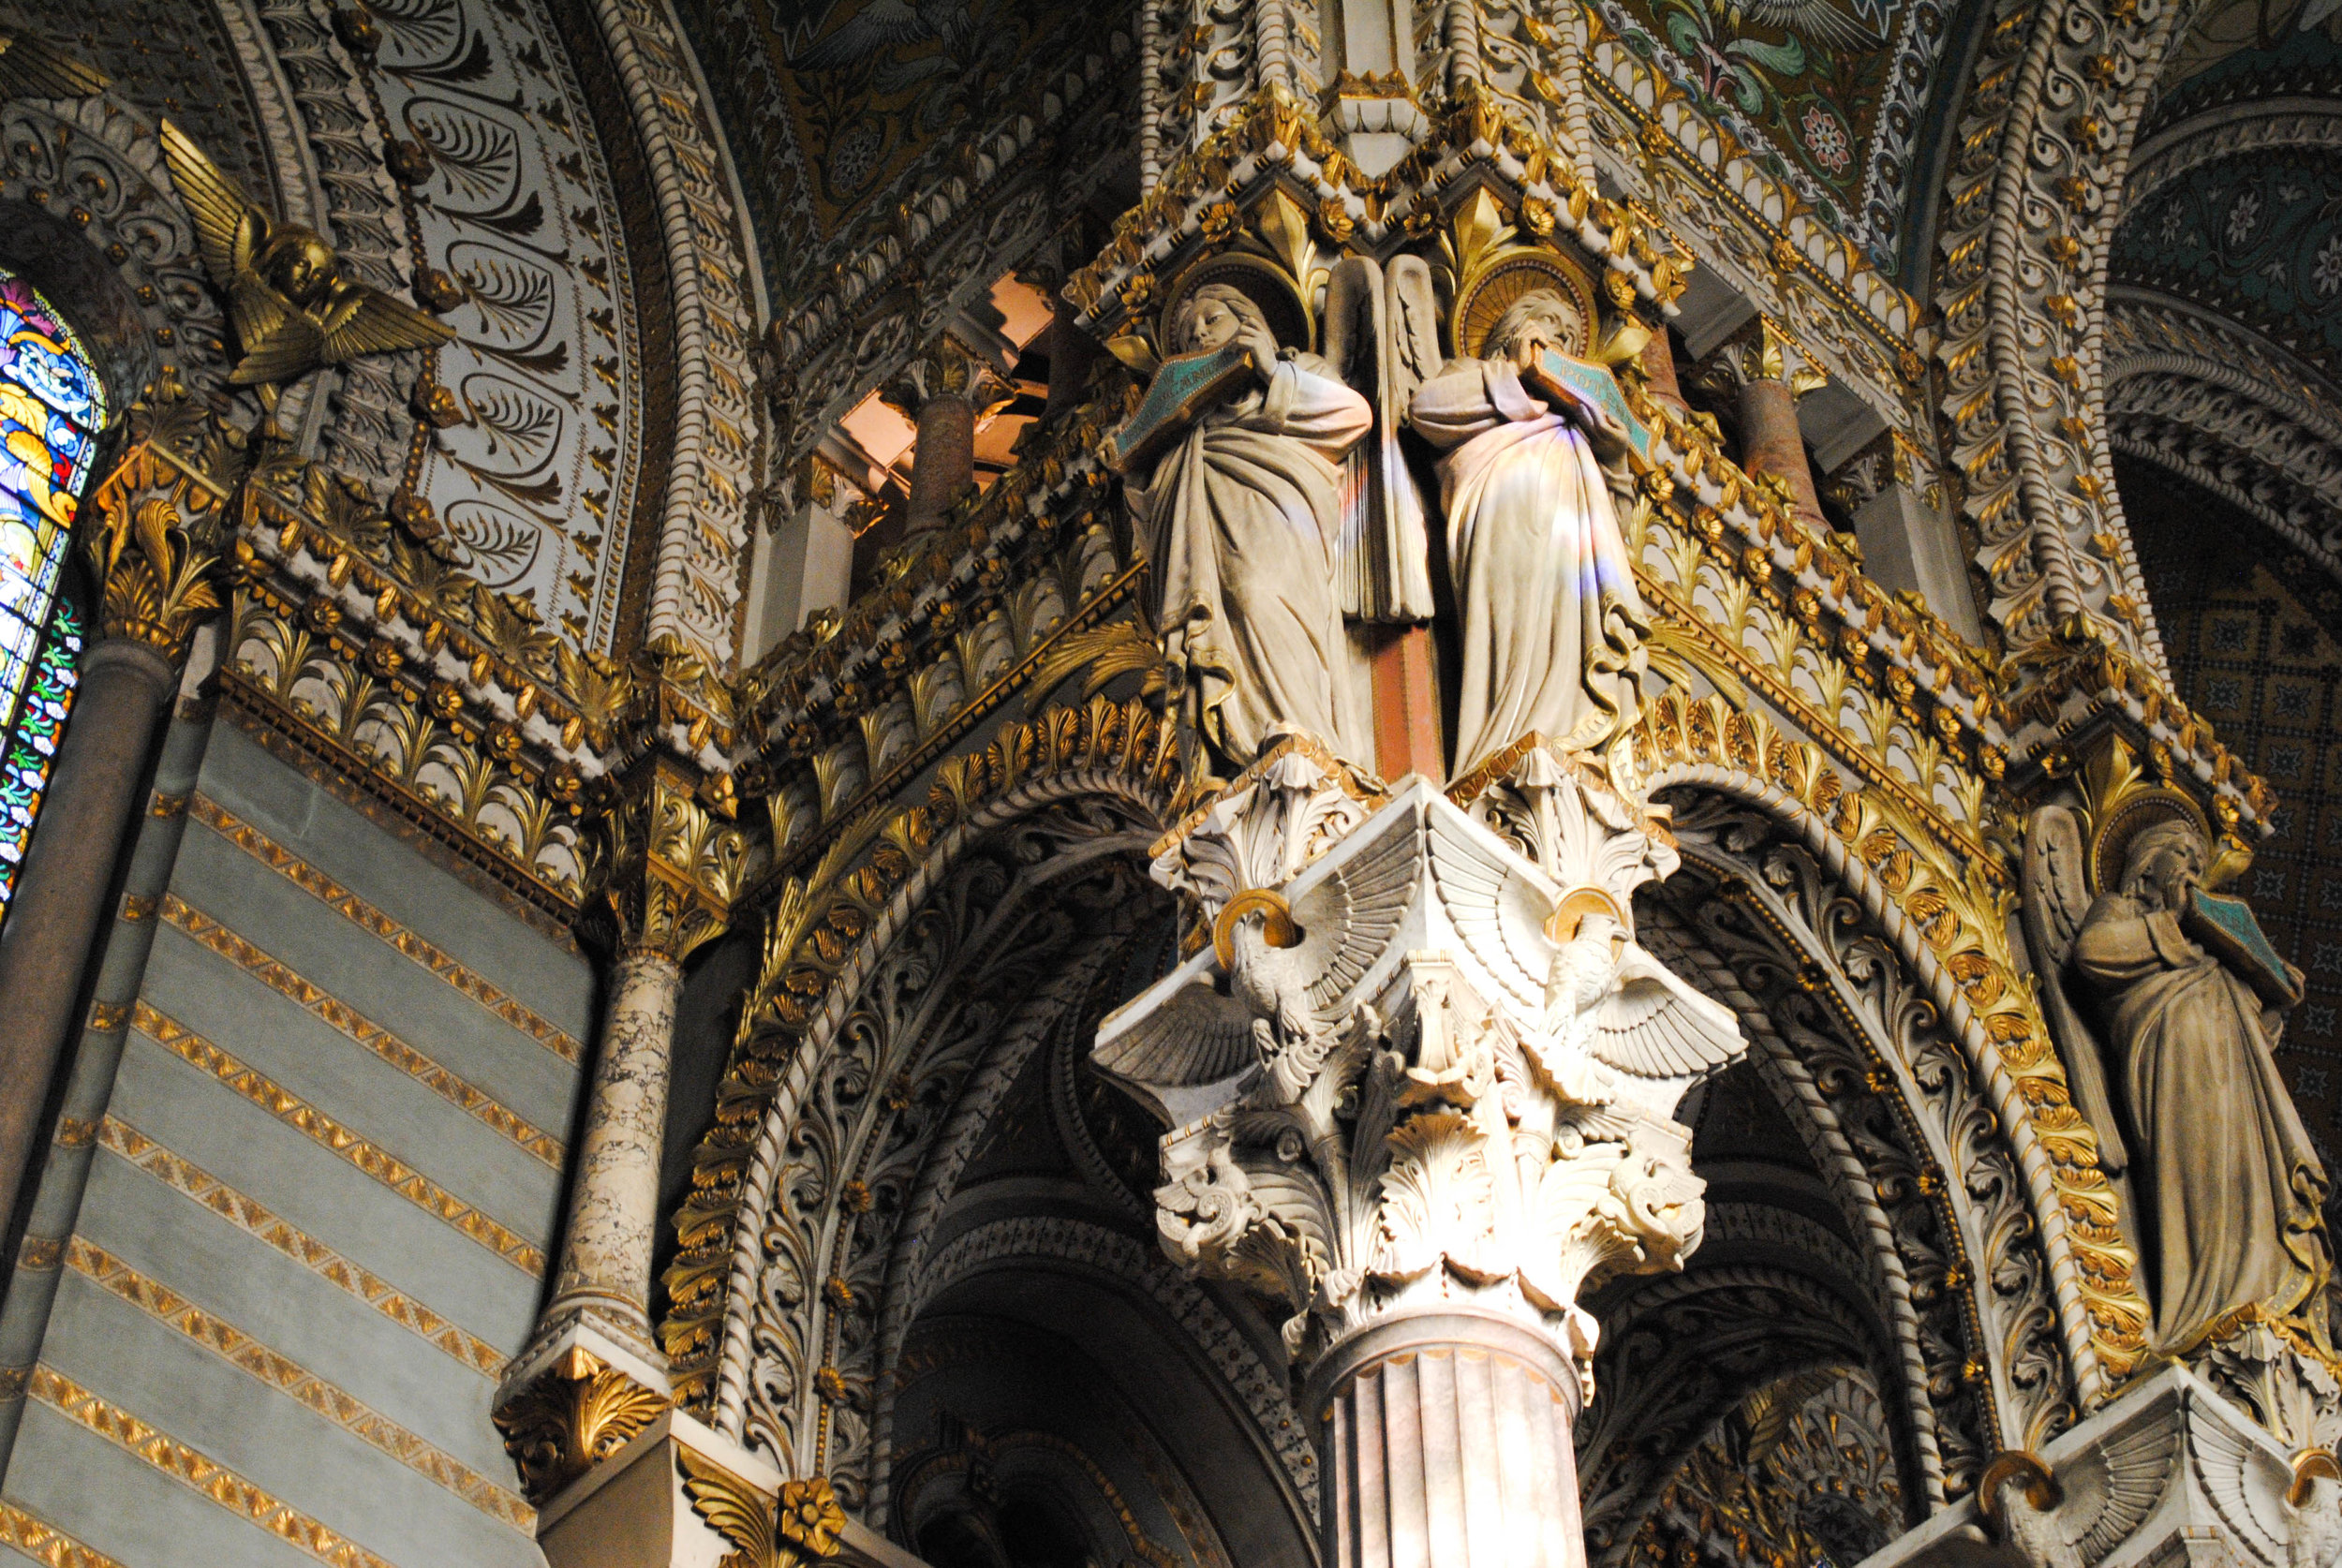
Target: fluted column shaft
x: 1446, y: 1441
x: 614, y: 1211
x: 61, y: 896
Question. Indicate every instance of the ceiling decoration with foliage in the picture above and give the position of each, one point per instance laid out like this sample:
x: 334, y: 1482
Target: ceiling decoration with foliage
x: 2255, y: 238
x: 1826, y: 94
x: 839, y: 109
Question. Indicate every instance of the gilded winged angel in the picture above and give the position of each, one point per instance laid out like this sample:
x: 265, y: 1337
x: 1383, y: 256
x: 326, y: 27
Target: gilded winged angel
x: 291, y: 309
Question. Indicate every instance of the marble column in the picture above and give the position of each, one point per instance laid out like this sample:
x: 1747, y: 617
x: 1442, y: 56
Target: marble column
x: 1769, y: 375
x: 592, y: 1374
x: 1658, y: 368
x: 1447, y: 1439
x: 1426, y: 1163
x: 68, y: 871
x: 614, y: 1212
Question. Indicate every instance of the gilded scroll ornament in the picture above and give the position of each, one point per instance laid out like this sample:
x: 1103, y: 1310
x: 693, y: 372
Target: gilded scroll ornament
x: 579, y: 1412
x: 161, y: 535
x: 665, y: 867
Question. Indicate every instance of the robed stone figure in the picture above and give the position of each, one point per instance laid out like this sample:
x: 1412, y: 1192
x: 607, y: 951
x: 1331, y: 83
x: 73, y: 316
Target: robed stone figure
x: 1552, y: 626
x: 1241, y: 520
x: 2234, y: 1187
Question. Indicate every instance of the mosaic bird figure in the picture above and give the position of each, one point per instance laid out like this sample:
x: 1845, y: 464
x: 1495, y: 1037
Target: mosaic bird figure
x: 1820, y: 22
x: 290, y: 308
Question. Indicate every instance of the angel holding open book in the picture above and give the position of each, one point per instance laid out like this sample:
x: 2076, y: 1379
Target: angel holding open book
x: 1550, y: 625
x: 1242, y: 512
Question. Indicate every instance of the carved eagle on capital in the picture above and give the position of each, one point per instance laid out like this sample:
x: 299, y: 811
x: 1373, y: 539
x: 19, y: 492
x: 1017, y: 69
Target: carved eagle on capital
x: 290, y: 306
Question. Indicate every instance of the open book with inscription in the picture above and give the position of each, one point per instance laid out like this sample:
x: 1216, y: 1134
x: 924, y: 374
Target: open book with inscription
x: 1557, y: 375
x: 1183, y: 390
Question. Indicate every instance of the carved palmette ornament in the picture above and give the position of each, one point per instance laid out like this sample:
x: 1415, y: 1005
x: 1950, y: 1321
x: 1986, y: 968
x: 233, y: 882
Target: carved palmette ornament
x: 1418, y: 1072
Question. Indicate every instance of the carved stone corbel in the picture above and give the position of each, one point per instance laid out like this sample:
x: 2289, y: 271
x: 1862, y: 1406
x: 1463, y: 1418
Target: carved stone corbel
x: 673, y: 1493
x: 565, y: 1407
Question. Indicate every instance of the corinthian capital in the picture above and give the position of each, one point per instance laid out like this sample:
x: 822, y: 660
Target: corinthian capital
x: 945, y: 369
x: 1760, y: 351
x: 162, y: 531
x: 665, y: 867
x: 1442, y: 1072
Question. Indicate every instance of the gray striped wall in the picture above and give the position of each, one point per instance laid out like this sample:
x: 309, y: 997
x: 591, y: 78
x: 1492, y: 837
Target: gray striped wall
x: 314, y: 1214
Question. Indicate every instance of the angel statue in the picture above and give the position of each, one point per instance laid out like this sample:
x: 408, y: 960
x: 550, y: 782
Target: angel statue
x: 1241, y: 514
x: 1552, y: 627
x: 292, y: 310
x: 1382, y: 334
x: 2230, y: 1184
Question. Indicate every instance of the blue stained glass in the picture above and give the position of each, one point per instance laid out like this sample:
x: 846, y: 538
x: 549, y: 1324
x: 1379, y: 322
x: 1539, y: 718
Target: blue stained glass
x: 51, y: 408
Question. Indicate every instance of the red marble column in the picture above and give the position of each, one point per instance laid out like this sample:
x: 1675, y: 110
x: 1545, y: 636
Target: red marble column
x: 1771, y: 443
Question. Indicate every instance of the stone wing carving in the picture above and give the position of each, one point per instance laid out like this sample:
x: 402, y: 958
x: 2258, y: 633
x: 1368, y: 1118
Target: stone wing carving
x: 2097, y: 1499
x: 1655, y: 1025
x: 2111, y: 1490
x: 2056, y: 897
x: 1281, y: 1001
x: 1200, y: 1036
x: 1499, y: 906
x: 1348, y: 920
x: 2247, y: 1485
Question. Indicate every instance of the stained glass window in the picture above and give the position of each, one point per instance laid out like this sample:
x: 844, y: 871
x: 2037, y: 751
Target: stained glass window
x: 51, y: 408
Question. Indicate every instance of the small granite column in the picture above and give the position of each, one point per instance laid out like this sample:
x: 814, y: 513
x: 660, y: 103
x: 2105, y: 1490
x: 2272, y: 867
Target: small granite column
x: 153, y: 553
x: 592, y: 1375
x: 943, y: 392
x: 1771, y: 375
x: 61, y: 897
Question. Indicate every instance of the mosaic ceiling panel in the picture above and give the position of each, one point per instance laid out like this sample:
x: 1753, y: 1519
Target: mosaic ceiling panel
x: 1828, y: 94
x: 2258, y: 239
x: 835, y: 106
x: 2255, y: 637
x: 539, y: 485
